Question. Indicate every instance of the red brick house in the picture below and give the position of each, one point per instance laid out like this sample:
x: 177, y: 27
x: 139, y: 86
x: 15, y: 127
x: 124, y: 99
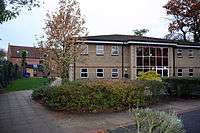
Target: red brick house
x: 34, y: 58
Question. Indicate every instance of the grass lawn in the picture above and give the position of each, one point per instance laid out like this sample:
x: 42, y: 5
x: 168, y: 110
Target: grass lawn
x: 27, y: 84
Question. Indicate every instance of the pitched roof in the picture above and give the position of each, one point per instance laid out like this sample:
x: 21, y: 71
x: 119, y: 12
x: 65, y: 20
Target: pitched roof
x: 33, y: 52
x: 127, y: 38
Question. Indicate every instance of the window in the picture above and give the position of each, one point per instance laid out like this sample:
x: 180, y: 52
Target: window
x: 84, y: 73
x: 115, y: 50
x: 191, y: 72
x: 179, y: 53
x: 84, y: 49
x: 191, y: 53
x: 99, y: 49
x: 153, y: 58
x: 99, y: 73
x: 114, y: 73
x: 180, y: 72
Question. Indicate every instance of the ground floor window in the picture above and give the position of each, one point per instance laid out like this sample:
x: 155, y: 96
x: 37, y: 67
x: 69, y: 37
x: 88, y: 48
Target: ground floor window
x: 114, y: 73
x: 99, y: 73
x: 84, y: 73
x: 191, y: 72
x: 180, y: 72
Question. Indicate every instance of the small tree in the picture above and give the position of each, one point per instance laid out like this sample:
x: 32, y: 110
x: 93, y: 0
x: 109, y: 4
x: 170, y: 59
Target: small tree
x: 140, y: 32
x: 23, y: 60
x: 64, y: 30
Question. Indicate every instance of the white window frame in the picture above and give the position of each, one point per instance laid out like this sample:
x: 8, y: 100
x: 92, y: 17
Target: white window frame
x: 83, y: 73
x: 99, y: 72
x: 115, y: 49
x: 179, y: 51
x: 84, y: 49
x: 191, y: 53
x: 180, y: 72
x: 191, y: 72
x: 115, y: 73
x: 100, y: 49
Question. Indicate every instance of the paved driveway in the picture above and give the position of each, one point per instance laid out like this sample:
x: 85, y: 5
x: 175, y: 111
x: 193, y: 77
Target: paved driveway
x: 19, y: 114
x: 191, y: 121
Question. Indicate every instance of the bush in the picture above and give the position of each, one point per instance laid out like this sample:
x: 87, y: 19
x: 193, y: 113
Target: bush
x: 8, y: 73
x: 150, y: 75
x: 183, y: 87
x: 98, y: 96
x: 150, y: 121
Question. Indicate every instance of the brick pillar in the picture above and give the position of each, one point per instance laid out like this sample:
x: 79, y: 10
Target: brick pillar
x: 170, y: 61
x: 133, y: 62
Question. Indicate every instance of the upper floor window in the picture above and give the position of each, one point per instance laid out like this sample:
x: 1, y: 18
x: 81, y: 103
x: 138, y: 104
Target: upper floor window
x: 84, y: 73
x: 84, y: 49
x: 99, y: 73
x: 191, y: 53
x: 180, y: 72
x: 99, y: 49
x: 115, y: 50
x: 191, y: 72
x: 115, y: 73
x: 179, y: 53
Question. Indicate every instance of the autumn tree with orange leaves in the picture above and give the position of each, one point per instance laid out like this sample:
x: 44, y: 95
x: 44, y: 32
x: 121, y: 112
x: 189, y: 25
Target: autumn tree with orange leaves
x: 63, y: 31
x: 185, y: 18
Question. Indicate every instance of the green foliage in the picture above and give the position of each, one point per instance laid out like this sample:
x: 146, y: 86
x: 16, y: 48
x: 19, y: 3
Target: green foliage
x: 140, y: 32
x: 10, y: 9
x: 150, y: 121
x: 150, y: 75
x: 2, y: 54
x: 27, y: 84
x: 8, y: 73
x: 98, y: 96
x: 183, y: 87
x: 23, y: 57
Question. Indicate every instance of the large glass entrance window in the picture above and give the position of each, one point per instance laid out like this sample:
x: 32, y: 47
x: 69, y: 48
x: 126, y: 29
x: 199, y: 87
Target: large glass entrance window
x: 153, y: 58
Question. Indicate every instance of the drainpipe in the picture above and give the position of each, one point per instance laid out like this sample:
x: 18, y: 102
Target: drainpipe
x: 122, y: 60
x: 74, y: 70
x: 174, y: 61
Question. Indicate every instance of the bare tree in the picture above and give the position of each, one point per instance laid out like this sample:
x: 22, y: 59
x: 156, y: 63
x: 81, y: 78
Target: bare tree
x: 64, y: 31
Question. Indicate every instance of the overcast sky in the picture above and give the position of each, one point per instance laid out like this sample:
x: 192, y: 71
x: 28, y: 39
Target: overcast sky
x: 102, y: 17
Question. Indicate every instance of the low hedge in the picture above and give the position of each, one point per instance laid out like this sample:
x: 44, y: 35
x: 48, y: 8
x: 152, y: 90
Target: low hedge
x: 183, y: 86
x: 99, y: 96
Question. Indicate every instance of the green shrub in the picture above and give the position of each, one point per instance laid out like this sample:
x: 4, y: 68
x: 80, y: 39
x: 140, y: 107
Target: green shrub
x: 8, y: 73
x: 150, y: 121
x: 98, y: 96
x: 183, y: 87
x: 150, y: 75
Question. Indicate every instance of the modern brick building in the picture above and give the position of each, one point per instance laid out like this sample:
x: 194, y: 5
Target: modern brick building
x: 123, y: 56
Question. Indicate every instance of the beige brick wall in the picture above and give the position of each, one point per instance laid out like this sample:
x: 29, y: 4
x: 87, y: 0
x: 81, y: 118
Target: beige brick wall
x: 185, y: 63
x: 106, y: 61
